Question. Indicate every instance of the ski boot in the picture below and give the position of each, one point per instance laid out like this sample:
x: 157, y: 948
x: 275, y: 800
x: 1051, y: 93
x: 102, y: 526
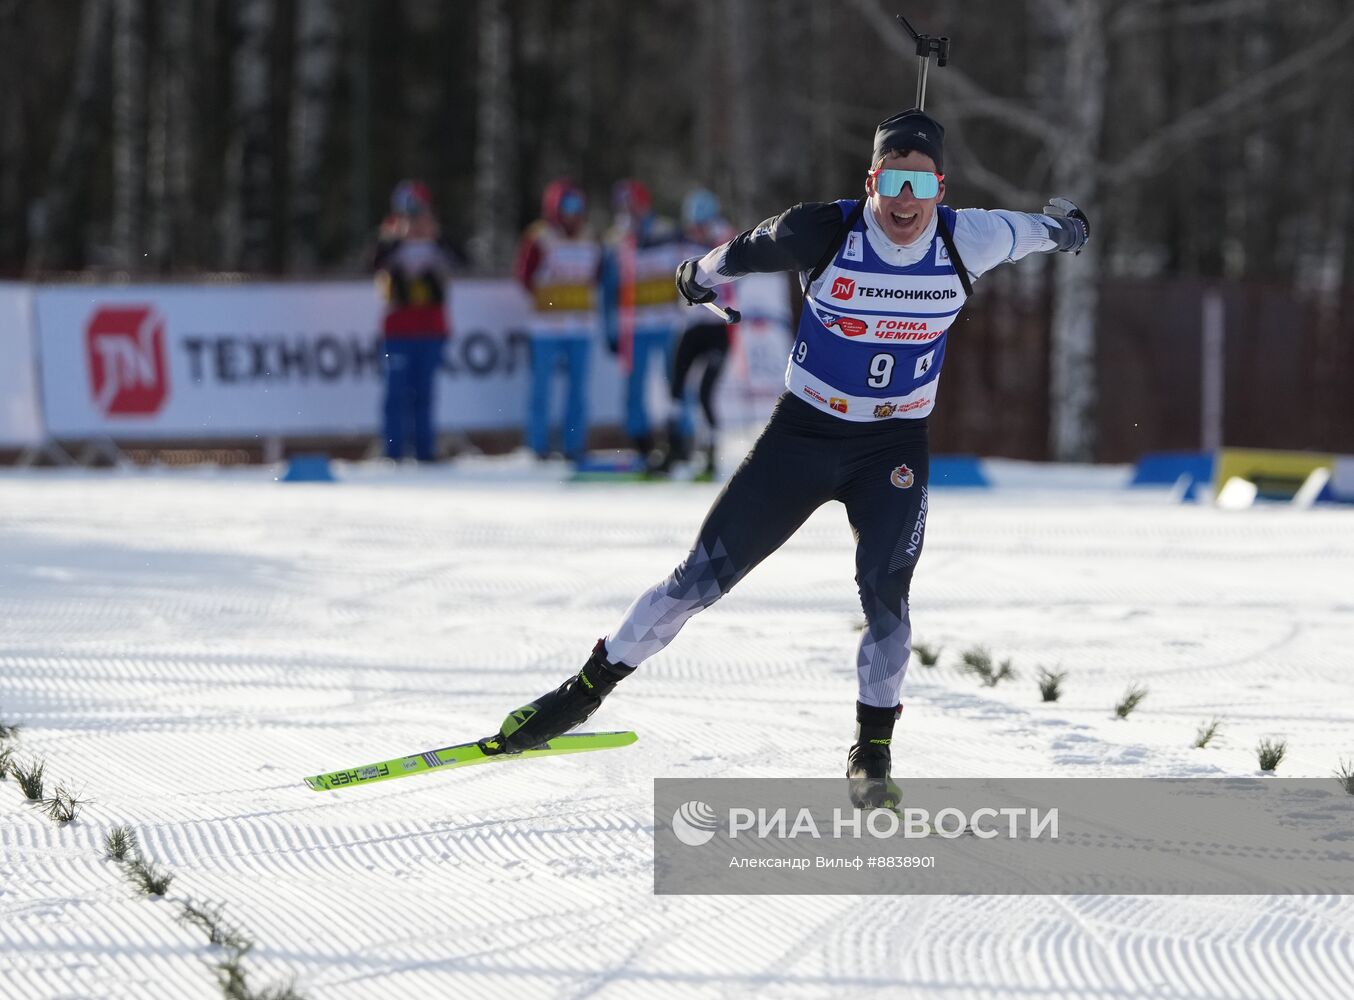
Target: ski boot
x: 679, y: 445
x: 708, y: 465
x: 649, y: 456
x: 558, y: 711
x: 868, y: 762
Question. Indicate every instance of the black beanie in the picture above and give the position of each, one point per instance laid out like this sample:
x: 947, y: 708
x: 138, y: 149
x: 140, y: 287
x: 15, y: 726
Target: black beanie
x: 911, y: 130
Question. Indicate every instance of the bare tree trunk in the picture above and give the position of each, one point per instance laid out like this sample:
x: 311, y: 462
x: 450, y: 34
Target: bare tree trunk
x: 180, y: 134
x: 823, y: 72
x: 1322, y: 251
x: 359, y: 76
x: 75, y: 141
x: 129, y: 133
x: 789, y: 40
x: 158, y: 212
x: 317, y: 58
x: 246, y: 224
x: 421, y: 94
x: 169, y: 144
x: 578, y: 82
x: 1072, y: 377
x: 492, y: 243
x: 711, y: 66
x: 1329, y: 261
x: 12, y: 137
x: 742, y: 142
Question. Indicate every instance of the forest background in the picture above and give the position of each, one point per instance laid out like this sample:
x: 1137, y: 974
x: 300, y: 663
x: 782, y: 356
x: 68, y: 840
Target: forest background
x: 1208, y: 140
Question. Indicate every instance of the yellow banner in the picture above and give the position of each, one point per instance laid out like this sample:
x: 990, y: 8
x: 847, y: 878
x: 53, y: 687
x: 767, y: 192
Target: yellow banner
x: 563, y: 298
x: 1277, y: 474
x: 655, y: 291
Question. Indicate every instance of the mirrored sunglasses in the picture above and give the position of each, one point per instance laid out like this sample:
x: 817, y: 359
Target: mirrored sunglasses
x: 924, y: 183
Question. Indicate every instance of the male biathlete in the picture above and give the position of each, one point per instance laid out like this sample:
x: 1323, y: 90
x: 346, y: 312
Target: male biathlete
x: 884, y: 279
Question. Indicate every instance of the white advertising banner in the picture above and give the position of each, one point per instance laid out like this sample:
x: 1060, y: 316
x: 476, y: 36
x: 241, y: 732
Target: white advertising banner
x: 754, y: 376
x: 20, y: 412
x: 205, y: 361
x: 185, y: 362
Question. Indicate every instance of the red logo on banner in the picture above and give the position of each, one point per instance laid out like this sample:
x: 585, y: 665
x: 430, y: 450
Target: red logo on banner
x: 843, y: 288
x: 127, y: 371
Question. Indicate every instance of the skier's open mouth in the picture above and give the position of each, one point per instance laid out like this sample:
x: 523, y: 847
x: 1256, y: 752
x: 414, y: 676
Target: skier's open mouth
x: 903, y: 220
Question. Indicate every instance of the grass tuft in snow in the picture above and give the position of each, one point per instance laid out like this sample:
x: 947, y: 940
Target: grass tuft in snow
x: 1050, y: 683
x: 148, y: 879
x: 30, y: 778
x: 6, y: 759
x: 928, y: 655
x: 63, y: 806
x: 120, y: 845
x: 208, y: 919
x: 978, y: 661
x: 1130, y: 700
x: 1345, y: 774
x: 119, y: 842
x: 1207, y: 730
x: 230, y: 976
x: 1270, y: 753
x: 9, y: 732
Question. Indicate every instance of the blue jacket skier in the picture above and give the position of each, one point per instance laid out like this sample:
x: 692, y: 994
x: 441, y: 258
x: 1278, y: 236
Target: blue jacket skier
x: 884, y: 278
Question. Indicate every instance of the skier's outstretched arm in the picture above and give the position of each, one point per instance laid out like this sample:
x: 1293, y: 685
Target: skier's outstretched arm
x: 791, y: 241
x: 988, y: 237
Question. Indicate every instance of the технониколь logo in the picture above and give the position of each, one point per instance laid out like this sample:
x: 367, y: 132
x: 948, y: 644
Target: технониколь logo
x: 843, y: 288
x: 125, y: 346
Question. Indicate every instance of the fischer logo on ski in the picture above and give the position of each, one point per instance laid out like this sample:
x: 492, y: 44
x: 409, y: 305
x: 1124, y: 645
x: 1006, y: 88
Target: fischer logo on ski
x: 463, y: 755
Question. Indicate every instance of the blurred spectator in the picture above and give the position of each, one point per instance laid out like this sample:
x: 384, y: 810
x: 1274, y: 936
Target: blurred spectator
x: 704, y: 342
x: 640, y: 303
x: 412, y: 268
x: 557, y: 263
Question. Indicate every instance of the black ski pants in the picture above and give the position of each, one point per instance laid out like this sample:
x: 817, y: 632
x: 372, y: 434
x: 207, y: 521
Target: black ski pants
x: 803, y: 459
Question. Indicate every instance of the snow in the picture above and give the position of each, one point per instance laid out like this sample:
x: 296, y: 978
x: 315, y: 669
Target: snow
x: 183, y: 647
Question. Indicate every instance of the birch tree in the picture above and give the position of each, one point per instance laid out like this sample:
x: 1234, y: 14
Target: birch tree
x: 317, y: 61
x: 12, y: 137
x: 1067, y: 122
x: 743, y: 149
x: 77, y: 138
x: 170, y: 140
x: 246, y: 223
x: 1079, y: 108
x: 582, y: 38
x: 359, y: 170
x: 491, y: 245
x: 129, y: 133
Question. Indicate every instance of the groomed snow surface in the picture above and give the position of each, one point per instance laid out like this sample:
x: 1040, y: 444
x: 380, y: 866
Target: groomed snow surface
x: 183, y: 647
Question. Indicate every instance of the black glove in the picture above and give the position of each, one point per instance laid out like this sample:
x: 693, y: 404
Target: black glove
x: 691, y: 290
x: 1076, y: 228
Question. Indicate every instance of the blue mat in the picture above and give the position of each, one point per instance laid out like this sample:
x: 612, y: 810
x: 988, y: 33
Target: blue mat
x: 958, y: 470
x: 309, y: 469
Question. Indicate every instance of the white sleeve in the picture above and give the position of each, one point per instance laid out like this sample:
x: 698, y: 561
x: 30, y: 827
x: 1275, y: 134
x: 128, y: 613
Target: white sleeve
x: 988, y: 238
x: 708, y: 271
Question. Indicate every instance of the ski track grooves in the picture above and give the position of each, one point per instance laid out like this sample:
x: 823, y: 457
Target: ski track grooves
x: 183, y: 650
